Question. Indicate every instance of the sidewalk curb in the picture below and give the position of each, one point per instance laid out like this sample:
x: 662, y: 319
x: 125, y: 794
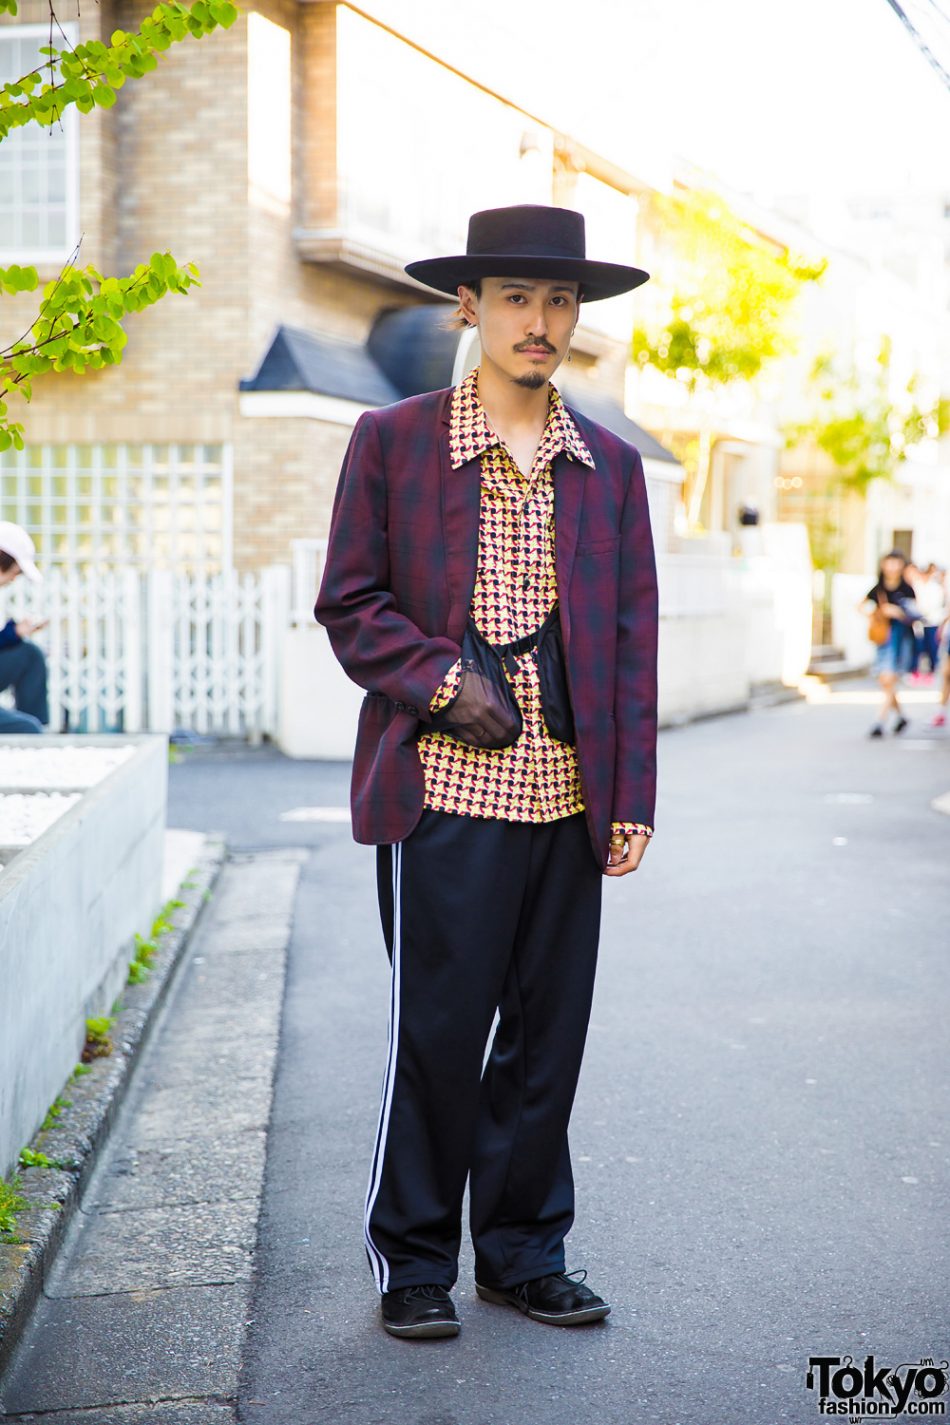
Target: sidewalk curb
x: 764, y: 695
x: 82, y: 1129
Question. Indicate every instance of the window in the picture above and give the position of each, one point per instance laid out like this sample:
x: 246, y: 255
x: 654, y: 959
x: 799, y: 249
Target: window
x: 39, y: 217
x: 151, y: 506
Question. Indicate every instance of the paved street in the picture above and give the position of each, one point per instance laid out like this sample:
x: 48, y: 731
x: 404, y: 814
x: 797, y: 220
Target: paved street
x: 760, y: 1138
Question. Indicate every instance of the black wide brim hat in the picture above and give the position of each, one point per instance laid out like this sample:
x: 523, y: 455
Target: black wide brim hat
x: 528, y: 240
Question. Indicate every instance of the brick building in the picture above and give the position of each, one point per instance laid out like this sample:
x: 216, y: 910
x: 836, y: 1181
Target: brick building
x: 299, y: 159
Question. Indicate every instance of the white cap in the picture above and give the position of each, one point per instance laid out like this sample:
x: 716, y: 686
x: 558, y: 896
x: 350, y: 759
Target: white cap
x: 15, y: 540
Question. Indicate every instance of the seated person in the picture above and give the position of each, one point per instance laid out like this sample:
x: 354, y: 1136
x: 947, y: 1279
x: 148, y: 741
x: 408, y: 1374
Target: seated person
x: 22, y: 664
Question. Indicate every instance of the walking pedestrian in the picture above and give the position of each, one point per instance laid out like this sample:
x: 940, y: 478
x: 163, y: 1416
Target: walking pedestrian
x: 939, y: 718
x: 932, y: 602
x: 22, y: 662
x: 892, y: 598
x: 490, y: 581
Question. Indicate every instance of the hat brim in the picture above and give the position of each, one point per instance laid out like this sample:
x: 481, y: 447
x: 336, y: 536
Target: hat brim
x: 598, y: 279
x: 29, y: 570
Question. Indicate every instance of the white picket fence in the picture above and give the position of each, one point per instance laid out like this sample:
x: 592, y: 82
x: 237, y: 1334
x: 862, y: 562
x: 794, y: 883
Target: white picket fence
x: 160, y: 651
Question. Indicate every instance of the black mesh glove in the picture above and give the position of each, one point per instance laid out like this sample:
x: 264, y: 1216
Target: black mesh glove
x: 477, y: 714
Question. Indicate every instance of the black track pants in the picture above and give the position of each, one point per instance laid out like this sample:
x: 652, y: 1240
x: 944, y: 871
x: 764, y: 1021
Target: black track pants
x: 480, y: 915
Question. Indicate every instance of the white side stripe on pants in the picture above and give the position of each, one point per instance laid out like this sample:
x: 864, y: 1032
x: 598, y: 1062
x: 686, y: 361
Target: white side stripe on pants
x: 378, y: 1261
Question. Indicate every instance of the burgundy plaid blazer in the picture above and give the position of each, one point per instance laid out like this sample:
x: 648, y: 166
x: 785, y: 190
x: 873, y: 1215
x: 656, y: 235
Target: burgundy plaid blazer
x: 397, y: 587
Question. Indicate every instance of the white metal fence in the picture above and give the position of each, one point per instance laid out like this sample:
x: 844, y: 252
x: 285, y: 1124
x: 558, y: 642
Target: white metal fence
x: 129, y: 652
x: 308, y: 556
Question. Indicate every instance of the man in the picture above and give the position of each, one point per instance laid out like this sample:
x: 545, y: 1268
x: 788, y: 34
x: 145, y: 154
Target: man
x: 465, y: 521
x: 22, y: 663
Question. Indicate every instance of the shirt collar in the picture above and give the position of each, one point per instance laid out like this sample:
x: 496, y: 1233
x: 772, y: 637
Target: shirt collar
x: 470, y: 432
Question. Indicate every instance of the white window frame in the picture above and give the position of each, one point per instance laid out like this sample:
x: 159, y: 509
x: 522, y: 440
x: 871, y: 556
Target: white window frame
x: 47, y: 256
x: 69, y: 477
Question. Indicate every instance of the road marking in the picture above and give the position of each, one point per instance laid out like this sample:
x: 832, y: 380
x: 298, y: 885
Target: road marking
x: 849, y: 799
x: 316, y: 814
x: 942, y: 803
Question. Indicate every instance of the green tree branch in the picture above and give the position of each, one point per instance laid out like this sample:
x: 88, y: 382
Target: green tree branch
x: 79, y: 324
x: 727, y: 311
x: 89, y: 74
x: 865, y: 432
x: 79, y: 328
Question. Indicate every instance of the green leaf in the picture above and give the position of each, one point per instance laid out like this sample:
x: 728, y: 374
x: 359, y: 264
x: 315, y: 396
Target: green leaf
x: 104, y: 96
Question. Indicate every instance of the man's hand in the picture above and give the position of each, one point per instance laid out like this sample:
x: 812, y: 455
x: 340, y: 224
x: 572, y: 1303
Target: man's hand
x: 620, y: 860
x: 28, y: 626
x: 477, y: 715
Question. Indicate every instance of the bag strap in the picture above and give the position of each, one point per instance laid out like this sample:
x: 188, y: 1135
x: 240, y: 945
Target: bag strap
x: 507, y: 652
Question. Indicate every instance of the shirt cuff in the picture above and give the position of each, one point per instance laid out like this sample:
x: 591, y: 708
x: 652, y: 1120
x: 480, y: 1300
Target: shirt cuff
x: 447, y: 689
x: 630, y: 828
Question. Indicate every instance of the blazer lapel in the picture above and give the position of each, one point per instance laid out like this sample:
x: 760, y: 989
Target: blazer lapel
x: 569, y: 476
x: 461, y: 494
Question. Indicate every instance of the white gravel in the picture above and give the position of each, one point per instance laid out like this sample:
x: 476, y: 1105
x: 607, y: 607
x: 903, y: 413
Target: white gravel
x: 55, y: 777
x: 24, y: 817
x: 58, y: 767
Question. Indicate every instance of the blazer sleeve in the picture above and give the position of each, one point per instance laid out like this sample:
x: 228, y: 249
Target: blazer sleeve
x: 635, y: 709
x: 378, y: 647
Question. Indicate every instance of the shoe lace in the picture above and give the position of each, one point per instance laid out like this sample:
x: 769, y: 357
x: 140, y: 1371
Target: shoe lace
x: 580, y: 1274
x: 427, y: 1292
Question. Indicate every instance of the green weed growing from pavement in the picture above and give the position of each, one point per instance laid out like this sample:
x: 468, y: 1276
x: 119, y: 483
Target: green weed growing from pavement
x: 140, y: 964
x: 147, y: 948
x: 11, y: 1202
x: 31, y: 1159
x: 81, y: 1069
x: 98, y: 1040
x: 53, y: 1112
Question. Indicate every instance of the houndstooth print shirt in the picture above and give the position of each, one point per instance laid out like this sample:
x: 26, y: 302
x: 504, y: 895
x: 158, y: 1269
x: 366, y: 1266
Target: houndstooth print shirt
x: 537, y: 778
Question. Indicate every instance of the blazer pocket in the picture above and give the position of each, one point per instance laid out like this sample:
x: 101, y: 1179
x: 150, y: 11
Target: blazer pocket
x: 597, y: 546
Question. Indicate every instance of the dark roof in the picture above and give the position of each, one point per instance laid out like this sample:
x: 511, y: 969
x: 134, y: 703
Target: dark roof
x: 414, y: 348
x: 302, y: 361
x: 409, y: 350
x: 608, y: 412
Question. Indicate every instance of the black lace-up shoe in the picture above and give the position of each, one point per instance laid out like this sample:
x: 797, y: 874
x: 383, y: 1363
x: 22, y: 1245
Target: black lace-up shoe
x: 419, y: 1311
x: 556, y: 1300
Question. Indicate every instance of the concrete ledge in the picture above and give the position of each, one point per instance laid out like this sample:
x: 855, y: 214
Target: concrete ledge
x: 82, y: 1128
x: 70, y: 900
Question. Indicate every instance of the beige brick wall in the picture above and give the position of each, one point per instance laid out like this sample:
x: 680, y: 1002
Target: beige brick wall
x: 290, y: 469
x: 166, y: 169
